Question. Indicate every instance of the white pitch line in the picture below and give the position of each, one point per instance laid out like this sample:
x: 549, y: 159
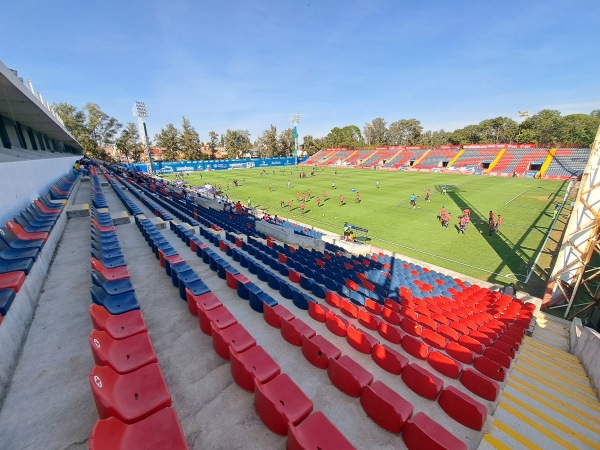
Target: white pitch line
x: 515, y: 197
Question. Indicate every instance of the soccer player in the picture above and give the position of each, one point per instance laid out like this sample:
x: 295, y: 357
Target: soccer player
x: 270, y: 186
x: 427, y: 195
x: 413, y: 201
x: 444, y: 189
x: 442, y: 213
x: 445, y: 220
x: 318, y: 200
x: 333, y: 185
x: 377, y: 184
x: 308, y: 193
x: 492, y: 216
x: 357, y: 198
x: 289, y: 184
x: 491, y: 225
x: 462, y: 225
x: 341, y: 200
x: 324, y: 196
x: 498, y: 222
x: 298, y: 195
x: 302, y: 206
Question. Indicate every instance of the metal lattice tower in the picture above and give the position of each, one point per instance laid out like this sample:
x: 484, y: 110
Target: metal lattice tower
x: 572, y: 273
x: 140, y: 111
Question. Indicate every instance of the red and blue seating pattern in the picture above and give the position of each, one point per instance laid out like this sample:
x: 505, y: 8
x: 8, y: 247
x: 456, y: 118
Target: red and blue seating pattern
x: 131, y: 395
x: 23, y: 238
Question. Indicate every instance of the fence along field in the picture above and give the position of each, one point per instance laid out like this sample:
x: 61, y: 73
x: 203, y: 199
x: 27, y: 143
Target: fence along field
x: 525, y: 204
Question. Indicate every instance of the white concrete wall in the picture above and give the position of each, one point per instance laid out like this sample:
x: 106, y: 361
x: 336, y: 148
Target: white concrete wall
x: 21, y: 182
x: 585, y: 344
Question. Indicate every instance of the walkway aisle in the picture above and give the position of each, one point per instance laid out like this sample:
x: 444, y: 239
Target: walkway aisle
x: 548, y: 396
x: 214, y: 412
x: 49, y: 404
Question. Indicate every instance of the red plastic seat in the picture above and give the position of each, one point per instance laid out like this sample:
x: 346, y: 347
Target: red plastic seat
x: 390, y: 332
x: 512, y: 342
x: 220, y: 315
x: 204, y: 302
x: 422, y: 381
x: 318, y: 351
x: 490, y: 368
x: 123, y: 355
x: 472, y: 344
x: 505, y: 347
x: 160, y: 431
x: 254, y: 363
x: 492, y: 334
x: 389, y: 359
x: 316, y: 432
x: 235, y: 337
x: 445, y: 364
x: 415, y: 347
x: 131, y: 397
x: 348, y: 376
x: 294, y: 276
x: 12, y: 280
x: 391, y: 304
x: 385, y: 406
x: 294, y: 330
x: 118, y: 326
x: 360, y: 340
x: 422, y: 432
x: 498, y: 356
x: 336, y: 324
x: 317, y: 311
x: 391, y: 316
x: 103, y: 229
x: 434, y: 339
x: 462, y: 408
x: 479, y: 384
x: 449, y: 333
x: 373, y: 307
x: 348, y: 308
x: 116, y: 273
x: 368, y: 320
x: 460, y: 327
x: 274, y: 314
x: 484, y: 339
x: 281, y: 402
x: 332, y: 299
x: 411, y: 327
x: 460, y: 353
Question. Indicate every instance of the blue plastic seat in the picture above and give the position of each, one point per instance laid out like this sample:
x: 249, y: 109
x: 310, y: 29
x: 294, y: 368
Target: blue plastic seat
x: 257, y: 301
x: 114, y: 304
x: 6, y: 299
x: 111, y: 287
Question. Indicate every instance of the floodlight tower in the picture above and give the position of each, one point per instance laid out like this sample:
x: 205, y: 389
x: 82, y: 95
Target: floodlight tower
x: 295, y: 120
x: 140, y: 111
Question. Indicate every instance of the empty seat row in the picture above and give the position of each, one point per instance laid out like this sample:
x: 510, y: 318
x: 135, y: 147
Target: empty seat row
x: 131, y: 395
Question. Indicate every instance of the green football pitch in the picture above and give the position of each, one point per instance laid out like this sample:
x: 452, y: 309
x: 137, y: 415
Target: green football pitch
x: 525, y: 204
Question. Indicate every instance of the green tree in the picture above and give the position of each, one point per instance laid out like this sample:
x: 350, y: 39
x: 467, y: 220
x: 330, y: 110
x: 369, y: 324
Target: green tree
x: 349, y: 137
x: 471, y: 134
x: 213, y: 142
x: 376, y: 132
x: 169, y: 139
x: 93, y: 128
x: 237, y: 142
x: 433, y: 139
x: 190, y: 141
x: 267, y: 142
x: 312, y: 145
x: 405, y: 132
x: 286, y: 143
x: 547, y: 127
x: 580, y: 129
x: 499, y: 130
x: 128, y: 143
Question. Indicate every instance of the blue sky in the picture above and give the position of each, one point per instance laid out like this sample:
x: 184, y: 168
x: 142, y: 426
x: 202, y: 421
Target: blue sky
x: 246, y: 65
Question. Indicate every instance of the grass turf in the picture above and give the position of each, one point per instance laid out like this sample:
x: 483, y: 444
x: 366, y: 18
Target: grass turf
x: 525, y: 204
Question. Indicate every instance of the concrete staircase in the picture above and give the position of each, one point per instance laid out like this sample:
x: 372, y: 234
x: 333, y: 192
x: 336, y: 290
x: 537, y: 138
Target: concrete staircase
x: 548, y: 401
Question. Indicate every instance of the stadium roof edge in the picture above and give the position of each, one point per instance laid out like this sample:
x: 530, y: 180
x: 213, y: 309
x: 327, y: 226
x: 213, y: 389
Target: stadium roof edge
x: 21, y: 105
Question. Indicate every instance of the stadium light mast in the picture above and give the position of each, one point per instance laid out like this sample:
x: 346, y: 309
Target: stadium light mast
x: 295, y: 120
x: 140, y: 111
